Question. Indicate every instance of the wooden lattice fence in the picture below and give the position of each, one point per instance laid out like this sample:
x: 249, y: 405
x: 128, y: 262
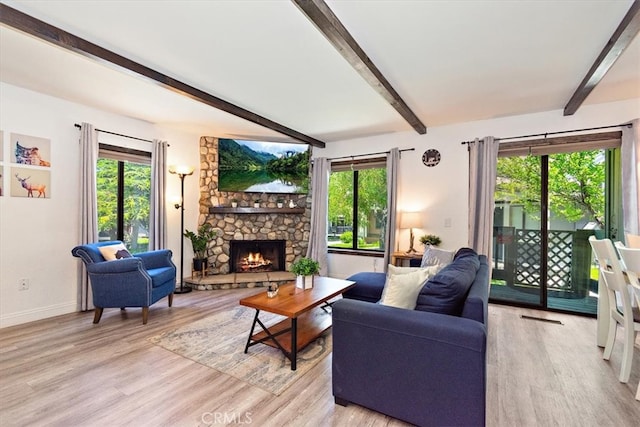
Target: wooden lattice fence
x: 517, y: 259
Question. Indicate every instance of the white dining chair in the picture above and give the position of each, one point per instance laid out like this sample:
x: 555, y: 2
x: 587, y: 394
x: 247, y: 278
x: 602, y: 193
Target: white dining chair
x: 632, y: 240
x: 620, y: 309
x: 631, y: 259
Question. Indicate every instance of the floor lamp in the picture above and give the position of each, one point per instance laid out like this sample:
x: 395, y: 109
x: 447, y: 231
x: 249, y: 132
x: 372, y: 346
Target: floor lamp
x: 181, y: 171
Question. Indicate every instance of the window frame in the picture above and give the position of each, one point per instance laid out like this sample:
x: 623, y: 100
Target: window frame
x: 356, y: 166
x: 122, y: 155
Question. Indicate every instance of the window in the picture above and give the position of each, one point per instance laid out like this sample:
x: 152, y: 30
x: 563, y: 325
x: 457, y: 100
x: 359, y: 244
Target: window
x: 123, y: 181
x: 358, y: 205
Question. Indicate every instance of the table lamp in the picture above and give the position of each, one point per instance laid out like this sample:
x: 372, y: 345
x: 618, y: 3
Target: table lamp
x: 411, y: 220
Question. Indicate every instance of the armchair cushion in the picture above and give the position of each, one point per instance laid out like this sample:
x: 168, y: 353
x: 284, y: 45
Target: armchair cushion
x: 161, y: 275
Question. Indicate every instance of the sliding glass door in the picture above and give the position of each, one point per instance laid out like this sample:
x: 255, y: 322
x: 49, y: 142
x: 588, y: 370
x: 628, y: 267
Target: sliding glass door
x: 546, y: 208
x: 517, y: 232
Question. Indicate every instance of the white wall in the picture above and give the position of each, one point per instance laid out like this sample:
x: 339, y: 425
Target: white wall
x: 440, y: 192
x: 37, y: 235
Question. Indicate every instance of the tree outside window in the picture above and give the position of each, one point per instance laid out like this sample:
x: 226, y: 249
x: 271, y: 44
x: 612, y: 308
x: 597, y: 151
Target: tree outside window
x: 123, y: 195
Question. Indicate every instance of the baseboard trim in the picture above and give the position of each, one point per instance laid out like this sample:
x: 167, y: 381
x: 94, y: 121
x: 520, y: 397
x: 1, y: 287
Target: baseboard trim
x: 40, y: 313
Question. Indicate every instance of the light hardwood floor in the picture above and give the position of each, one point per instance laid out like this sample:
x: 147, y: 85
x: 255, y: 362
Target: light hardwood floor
x: 65, y: 371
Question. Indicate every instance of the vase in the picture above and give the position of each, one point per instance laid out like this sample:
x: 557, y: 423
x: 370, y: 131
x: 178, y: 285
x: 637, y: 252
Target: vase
x: 304, y: 282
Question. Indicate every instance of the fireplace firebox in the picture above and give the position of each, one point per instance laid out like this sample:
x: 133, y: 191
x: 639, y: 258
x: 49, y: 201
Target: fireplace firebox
x: 255, y: 256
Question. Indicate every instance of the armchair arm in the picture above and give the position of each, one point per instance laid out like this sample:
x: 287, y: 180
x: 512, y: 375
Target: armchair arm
x: 421, y: 367
x: 156, y: 259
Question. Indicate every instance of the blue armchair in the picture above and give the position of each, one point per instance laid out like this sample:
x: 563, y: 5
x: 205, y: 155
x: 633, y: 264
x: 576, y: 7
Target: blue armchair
x: 137, y: 281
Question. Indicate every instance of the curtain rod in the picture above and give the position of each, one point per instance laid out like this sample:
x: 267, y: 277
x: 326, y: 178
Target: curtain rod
x: 556, y: 133
x: 118, y: 134
x: 370, y: 154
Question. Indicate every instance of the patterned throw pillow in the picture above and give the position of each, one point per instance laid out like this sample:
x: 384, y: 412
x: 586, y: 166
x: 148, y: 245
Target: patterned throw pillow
x: 435, y: 256
x: 113, y: 252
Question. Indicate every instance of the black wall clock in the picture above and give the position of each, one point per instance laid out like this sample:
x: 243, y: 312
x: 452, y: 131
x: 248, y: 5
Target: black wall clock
x: 431, y: 157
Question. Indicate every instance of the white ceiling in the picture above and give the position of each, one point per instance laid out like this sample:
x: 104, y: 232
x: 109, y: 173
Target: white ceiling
x: 451, y: 61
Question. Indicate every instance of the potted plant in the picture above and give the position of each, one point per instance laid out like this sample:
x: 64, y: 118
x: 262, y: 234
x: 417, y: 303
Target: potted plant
x: 305, y: 269
x: 234, y: 203
x: 280, y: 203
x: 200, y: 243
x: 430, y: 240
x: 256, y: 203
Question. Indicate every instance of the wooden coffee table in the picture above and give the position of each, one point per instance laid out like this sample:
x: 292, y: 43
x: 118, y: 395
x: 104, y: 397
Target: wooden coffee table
x: 301, y: 327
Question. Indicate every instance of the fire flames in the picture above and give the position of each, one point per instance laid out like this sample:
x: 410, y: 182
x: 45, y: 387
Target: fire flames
x: 255, y: 262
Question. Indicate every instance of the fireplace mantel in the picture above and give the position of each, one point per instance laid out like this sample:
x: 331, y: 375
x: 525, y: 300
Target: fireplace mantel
x: 247, y: 210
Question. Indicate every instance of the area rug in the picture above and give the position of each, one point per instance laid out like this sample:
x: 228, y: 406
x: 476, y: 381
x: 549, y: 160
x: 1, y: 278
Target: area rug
x: 218, y: 342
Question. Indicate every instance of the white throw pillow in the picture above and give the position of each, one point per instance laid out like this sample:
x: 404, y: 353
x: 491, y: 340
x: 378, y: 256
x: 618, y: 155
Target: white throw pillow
x: 392, y: 269
x: 435, y: 256
x: 113, y: 252
x: 403, y: 286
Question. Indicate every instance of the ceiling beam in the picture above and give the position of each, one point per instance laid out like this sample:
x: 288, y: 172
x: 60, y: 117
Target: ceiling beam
x: 30, y: 25
x: 326, y: 21
x: 620, y: 40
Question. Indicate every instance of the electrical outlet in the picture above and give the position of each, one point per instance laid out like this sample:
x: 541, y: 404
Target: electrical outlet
x: 23, y: 284
x: 447, y: 222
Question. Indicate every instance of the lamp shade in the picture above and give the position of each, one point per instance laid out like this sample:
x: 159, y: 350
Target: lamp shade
x: 181, y: 169
x: 410, y: 220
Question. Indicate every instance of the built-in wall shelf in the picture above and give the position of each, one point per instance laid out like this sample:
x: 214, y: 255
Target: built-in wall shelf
x: 243, y: 210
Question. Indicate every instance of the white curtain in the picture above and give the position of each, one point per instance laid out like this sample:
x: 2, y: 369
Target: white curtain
x: 88, y: 206
x: 317, y: 249
x: 630, y: 153
x: 158, y: 209
x: 483, y: 159
x: 393, y: 161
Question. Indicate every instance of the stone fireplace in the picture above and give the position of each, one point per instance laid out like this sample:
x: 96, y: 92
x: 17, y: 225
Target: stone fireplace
x: 256, y: 256
x: 248, y: 224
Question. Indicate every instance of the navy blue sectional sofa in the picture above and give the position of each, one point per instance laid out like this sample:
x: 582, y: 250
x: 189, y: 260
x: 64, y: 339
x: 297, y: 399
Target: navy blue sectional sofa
x: 423, y: 367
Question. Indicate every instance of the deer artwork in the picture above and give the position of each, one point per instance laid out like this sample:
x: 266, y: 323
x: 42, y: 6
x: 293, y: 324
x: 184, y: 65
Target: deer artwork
x: 40, y: 188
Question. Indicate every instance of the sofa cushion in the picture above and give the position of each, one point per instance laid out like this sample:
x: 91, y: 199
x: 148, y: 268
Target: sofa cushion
x: 436, y: 256
x: 161, y: 275
x: 403, y: 285
x: 446, y: 291
x: 464, y: 252
x: 369, y: 286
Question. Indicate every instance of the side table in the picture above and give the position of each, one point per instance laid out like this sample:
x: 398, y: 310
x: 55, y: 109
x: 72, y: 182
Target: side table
x: 398, y: 258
